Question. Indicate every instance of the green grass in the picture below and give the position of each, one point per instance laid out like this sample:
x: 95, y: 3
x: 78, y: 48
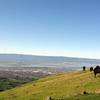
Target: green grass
x: 66, y: 86
x: 85, y: 97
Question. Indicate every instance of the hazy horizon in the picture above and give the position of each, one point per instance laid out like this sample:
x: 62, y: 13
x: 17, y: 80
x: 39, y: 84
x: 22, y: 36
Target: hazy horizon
x: 47, y: 56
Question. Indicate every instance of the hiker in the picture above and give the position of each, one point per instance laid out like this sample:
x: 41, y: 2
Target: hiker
x: 84, y: 68
x: 96, y: 70
x: 91, y: 69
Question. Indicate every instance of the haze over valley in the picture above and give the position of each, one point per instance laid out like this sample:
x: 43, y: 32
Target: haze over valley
x: 42, y: 65
x: 18, y: 60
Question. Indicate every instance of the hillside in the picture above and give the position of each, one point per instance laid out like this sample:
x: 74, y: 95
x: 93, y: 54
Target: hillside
x: 64, y: 86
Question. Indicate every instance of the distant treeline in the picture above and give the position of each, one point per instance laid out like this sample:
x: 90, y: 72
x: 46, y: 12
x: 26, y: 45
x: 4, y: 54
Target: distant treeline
x: 8, y: 83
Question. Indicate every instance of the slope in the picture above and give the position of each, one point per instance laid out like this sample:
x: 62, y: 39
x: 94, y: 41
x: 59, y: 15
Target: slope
x: 61, y: 86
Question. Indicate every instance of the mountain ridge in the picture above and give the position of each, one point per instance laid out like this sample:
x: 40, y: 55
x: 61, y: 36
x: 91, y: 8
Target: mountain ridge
x: 14, y: 60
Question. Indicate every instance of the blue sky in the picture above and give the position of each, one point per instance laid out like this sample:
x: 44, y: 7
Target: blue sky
x: 50, y: 27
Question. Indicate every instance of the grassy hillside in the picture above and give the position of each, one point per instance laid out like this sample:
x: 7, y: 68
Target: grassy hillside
x: 65, y: 86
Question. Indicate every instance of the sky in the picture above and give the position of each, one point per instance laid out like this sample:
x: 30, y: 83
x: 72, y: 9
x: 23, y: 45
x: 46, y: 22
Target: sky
x: 50, y: 27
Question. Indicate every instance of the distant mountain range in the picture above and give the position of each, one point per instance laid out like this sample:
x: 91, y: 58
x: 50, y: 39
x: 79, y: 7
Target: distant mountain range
x: 19, y: 60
